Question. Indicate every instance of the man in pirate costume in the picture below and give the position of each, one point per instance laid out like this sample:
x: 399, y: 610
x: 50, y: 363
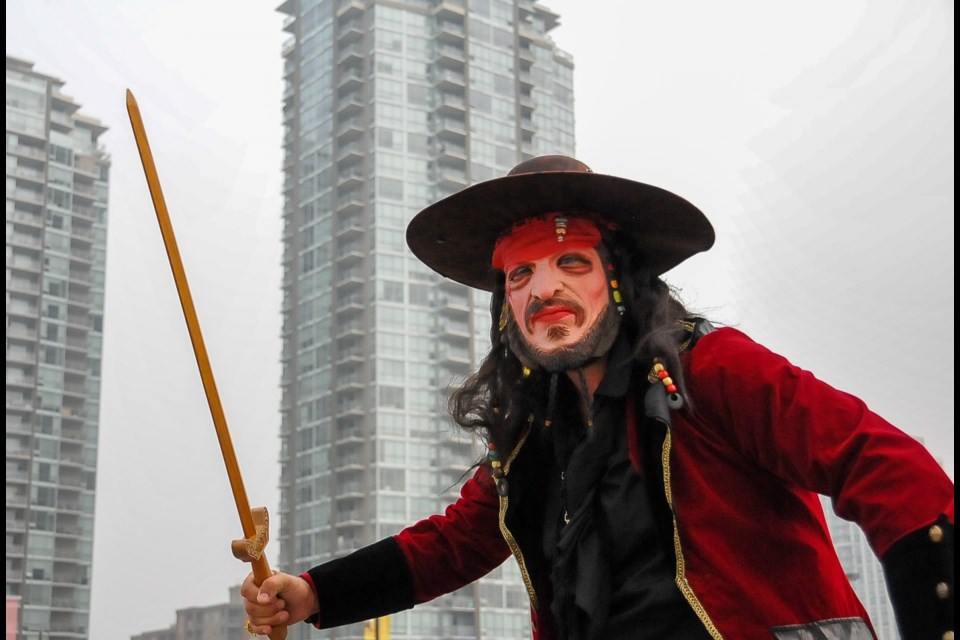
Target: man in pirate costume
x: 653, y: 477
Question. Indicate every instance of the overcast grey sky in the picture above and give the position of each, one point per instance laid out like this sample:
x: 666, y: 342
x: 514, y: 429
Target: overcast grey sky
x: 817, y: 136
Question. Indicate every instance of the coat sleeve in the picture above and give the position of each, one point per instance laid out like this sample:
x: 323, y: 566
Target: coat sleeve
x: 919, y: 571
x: 808, y: 434
x: 433, y: 557
x: 446, y: 552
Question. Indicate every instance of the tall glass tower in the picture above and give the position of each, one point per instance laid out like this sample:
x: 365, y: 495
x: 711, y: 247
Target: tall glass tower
x: 57, y: 177
x: 388, y: 106
x: 865, y: 573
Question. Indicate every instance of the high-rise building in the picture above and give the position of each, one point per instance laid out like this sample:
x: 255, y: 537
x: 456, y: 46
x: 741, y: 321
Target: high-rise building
x: 863, y: 569
x: 390, y: 105
x: 223, y: 621
x: 57, y: 176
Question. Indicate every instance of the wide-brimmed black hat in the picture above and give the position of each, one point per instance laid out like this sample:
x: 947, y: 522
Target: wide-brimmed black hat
x: 456, y: 236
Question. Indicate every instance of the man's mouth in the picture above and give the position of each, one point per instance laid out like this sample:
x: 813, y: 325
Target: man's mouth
x: 551, y: 314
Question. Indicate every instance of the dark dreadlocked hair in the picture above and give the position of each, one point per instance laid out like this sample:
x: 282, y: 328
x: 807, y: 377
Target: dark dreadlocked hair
x: 497, y: 401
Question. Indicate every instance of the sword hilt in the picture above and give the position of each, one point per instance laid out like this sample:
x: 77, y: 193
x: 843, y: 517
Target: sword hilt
x: 250, y: 549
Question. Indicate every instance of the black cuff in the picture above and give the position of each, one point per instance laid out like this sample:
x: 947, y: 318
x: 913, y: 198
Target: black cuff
x: 368, y: 583
x: 919, y: 572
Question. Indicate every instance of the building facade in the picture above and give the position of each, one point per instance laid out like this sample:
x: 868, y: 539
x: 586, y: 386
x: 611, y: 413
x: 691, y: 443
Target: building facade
x: 389, y: 106
x: 215, y: 622
x: 864, y: 571
x: 57, y: 176
x: 866, y: 576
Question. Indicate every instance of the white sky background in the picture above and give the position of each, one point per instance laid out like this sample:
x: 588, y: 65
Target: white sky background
x: 817, y: 137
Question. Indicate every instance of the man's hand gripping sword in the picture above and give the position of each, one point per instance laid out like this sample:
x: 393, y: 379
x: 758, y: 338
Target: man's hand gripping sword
x: 254, y: 522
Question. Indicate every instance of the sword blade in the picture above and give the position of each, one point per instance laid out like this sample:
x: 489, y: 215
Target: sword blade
x: 261, y: 568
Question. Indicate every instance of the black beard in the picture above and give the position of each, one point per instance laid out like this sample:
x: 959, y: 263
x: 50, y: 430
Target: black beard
x: 595, y: 343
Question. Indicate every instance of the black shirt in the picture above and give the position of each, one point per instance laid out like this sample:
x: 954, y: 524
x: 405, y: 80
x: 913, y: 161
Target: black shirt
x: 613, y: 564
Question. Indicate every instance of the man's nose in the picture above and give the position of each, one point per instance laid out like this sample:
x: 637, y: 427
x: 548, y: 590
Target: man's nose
x: 546, y: 284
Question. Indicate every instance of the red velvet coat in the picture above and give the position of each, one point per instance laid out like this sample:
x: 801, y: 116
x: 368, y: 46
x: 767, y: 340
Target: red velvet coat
x: 742, y: 478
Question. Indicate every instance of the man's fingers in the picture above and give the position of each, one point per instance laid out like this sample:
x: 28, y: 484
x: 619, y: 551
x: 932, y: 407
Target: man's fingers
x: 268, y: 590
x: 263, y: 623
x: 271, y: 588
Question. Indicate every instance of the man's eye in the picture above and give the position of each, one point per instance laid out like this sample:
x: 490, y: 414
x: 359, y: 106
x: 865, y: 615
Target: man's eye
x: 519, y: 273
x: 572, y: 259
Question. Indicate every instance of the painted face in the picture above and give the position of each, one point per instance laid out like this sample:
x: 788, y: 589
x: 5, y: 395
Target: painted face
x: 558, y: 300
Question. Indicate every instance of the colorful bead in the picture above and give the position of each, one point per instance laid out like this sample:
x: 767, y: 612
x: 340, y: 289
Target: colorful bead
x: 496, y: 470
x: 659, y: 372
x: 615, y: 288
x: 526, y: 372
x: 560, y: 226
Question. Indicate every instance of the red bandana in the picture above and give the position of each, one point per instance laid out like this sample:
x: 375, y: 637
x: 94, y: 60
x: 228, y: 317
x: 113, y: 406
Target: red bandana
x: 538, y: 237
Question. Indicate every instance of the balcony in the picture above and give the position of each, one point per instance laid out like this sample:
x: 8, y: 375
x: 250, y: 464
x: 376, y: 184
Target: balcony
x: 27, y: 151
x: 351, y: 179
x: 25, y: 218
x: 455, y: 305
x: 455, y: 155
x: 350, y: 204
x: 77, y: 343
x: 349, y: 129
x: 80, y: 276
x: 345, y: 386
x: 350, y: 54
x: 350, y: 357
x: 78, y: 299
x: 449, y: 80
x: 451, y: 179
x: 350, y: 31
x: 451, y: 105
x: 81, y: 255
x: 29, y: 287
x: 21, y: 354
x: 349, y: 80
x: 349, y: 9
x: 454, y: 332
x: 350, y: 307
x: 451, y: 33
x: 25, y: 195
x: 350, y: 227
x: 450, y: 9
x: 85, y: 212
x: 451, y: 129
x: 22, y: 381
x: 455, y: 359
x: 29, y: 175
x: 450, y: 57
x: 85, y: 192
x: 351, y: 153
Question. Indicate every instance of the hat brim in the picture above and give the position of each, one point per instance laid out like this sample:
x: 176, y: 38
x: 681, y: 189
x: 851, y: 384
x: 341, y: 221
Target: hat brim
x: 456, y: 236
